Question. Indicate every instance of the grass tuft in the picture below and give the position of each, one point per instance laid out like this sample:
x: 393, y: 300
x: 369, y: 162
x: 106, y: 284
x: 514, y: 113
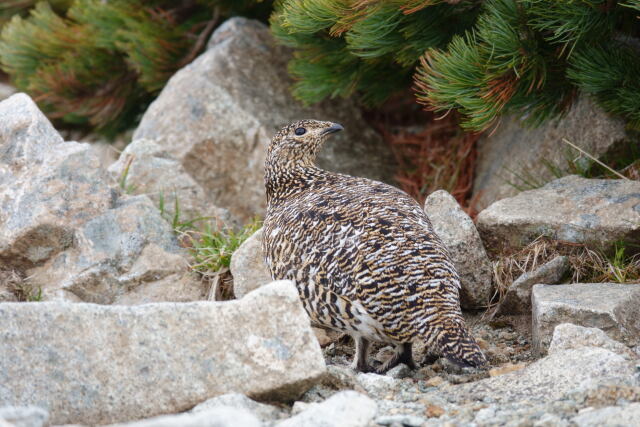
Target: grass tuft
x: 211, y: 249
x: 586, y: 265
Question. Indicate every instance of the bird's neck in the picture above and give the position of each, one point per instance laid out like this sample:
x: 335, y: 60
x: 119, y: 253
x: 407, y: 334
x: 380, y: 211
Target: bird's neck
x: 284, y: 181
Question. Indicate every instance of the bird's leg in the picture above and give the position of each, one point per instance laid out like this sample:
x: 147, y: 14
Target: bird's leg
x: 401, y: 354
x: 406, y: 356
x: 360, y: 358
x: 430, y: 358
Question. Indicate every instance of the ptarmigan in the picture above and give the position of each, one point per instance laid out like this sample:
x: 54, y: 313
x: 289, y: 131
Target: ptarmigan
x: 362, y: 254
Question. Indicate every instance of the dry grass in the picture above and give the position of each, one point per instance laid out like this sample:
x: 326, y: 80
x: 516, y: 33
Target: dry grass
x: 438, y: 157
x: 432, y: 152
x: 586, y: 265
x: 18, y: 286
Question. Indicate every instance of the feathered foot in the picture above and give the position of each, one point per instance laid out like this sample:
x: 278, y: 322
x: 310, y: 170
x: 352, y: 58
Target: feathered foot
x: 402, y: 354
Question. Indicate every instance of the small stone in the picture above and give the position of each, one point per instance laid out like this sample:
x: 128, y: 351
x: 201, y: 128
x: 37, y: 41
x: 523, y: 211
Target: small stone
x: 506, y: 368
x: 376, y: 386
x: 399, y: 372
x: 434, y: 382
x: 612, y: 416
x: 434, y: 411
x: 343, y: 409
x: 485, y: 415
x: 569, y: 336
x: 248, y: 267
x: 595, y: 212
x: 518, y: 297
x: 242, y: 403
x: 402, y: 419
x: 551, y: 420
x: 24, y: 416
x: 461, y: 238
x: 215, y: 417
x: 614, y: 308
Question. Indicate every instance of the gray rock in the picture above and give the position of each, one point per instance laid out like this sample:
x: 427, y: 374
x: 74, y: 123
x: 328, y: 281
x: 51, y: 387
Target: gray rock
x: 515, y: 151
x: 518, y: 297
x: 611, y: 416
x: 459, y: 234
x: 146, y: 168
x: 126, y: 255
x: 569, y: 336
x: 596, y: 212
x: 551, y: 378
x: 215, y: 417
x: 241, y: 402
x: 69, y: 232
x: 96, y: 364
x: 25, y: 416
x: 227, y: 104
x: 49, y: 186
x: 248, y: 268
x: 343, y: 409
x: 399, y: 372
x: 614, y: 308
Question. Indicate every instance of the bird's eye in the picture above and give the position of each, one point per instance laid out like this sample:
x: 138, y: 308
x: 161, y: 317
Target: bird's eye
x: 300, y: 131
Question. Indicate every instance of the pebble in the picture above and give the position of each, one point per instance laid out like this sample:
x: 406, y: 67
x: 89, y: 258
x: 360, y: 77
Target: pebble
x: 404, y: 420
x: 506, y: 368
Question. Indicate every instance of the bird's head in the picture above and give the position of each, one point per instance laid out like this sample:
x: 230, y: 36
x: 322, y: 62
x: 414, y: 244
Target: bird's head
x: 298, y: 143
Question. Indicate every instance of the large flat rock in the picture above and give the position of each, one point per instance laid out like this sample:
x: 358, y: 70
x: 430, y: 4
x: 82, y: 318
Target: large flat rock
x: 612, y: 307
x: 552, y: 378
x: 226, y: 105
x: 516, y: 155
x: 95, y: 364
x: 596, y: 212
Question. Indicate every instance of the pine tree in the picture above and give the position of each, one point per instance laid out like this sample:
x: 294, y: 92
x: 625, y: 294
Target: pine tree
x: 530, y: 57
x: 99, y: 64
x: 483, y: 59
x: 368, y: 47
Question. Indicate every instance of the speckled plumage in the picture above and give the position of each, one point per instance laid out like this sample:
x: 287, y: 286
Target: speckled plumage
x: 363, y: 254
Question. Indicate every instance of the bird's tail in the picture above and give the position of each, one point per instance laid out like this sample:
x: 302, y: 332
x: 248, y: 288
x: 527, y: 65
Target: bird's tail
x: 456, y: 344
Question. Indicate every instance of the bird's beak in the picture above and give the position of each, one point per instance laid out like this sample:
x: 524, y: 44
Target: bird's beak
x: 335, y: 127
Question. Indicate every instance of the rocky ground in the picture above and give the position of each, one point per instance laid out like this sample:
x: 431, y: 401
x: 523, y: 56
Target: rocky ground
x: 119, y: 331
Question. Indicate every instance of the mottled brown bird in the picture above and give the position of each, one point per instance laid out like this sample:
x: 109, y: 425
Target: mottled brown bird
x: 362, y: 254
